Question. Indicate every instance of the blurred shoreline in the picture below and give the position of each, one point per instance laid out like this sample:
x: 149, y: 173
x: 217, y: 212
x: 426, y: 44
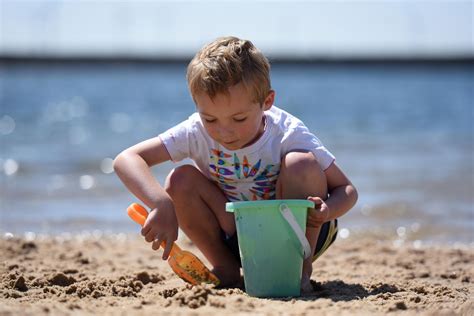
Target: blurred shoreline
x: 130, y: 231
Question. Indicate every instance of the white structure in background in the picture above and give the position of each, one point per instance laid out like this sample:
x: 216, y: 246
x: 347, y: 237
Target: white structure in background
x: 295, y: 29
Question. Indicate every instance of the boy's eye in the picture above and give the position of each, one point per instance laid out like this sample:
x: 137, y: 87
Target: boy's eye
x: 209, y: 120
x: 240, y: 119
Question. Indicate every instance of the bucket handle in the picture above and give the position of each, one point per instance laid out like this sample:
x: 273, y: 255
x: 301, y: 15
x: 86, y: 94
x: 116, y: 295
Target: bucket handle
x: 290, y: 218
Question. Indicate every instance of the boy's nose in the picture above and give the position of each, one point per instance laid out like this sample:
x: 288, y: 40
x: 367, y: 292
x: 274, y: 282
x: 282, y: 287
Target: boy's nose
x: 225, y: 132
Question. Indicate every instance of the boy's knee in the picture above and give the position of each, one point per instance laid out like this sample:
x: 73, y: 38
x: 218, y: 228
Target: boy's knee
x: 301, y: 176
x: 301, y: 164
x: 181, y: 180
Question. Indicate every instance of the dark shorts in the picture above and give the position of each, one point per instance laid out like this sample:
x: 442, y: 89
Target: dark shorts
x: 327, y: 236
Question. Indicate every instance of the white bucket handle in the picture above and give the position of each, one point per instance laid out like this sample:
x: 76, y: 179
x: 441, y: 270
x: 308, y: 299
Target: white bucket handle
x: 290, y: 218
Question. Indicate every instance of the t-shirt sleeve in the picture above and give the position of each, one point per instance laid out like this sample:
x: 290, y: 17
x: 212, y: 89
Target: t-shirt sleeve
x: 178, y: 140
x: 300, y: 138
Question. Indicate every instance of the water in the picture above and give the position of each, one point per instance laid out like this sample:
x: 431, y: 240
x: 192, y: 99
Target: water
x: 402, y: 133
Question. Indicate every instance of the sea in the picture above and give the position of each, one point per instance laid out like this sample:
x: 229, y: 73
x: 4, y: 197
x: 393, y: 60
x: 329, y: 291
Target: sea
x: 401, y: 131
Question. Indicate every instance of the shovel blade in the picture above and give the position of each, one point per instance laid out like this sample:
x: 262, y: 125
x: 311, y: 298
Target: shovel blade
x: 185, y: 264
x: 189, y: 268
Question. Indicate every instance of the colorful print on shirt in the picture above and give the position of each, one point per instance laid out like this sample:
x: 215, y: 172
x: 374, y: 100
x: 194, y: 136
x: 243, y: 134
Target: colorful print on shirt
x: 241, y: 179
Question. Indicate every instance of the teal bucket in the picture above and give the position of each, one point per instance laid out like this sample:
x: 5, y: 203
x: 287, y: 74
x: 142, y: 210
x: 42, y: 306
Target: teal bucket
x: 272, y: 245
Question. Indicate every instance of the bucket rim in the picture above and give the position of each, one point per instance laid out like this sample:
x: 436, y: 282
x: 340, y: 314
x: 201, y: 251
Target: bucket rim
x: 232, y: 206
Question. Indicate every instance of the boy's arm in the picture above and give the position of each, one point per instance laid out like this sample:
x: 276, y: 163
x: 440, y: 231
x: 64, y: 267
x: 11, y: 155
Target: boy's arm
x: 342, y: 197
x: 133, y: 168
x: 342, y: 193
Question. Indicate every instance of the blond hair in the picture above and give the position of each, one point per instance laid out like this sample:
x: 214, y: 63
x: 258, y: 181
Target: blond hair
x: 228, y: 61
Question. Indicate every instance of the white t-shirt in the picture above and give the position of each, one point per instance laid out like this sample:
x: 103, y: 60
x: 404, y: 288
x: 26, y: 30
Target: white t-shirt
x: 249, y: 173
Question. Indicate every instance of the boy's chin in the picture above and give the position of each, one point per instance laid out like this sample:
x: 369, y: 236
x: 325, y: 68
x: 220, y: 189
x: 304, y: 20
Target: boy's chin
x: 233, y: 146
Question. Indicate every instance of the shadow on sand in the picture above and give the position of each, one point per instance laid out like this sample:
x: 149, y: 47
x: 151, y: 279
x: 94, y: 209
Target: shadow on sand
x: 338, y: 290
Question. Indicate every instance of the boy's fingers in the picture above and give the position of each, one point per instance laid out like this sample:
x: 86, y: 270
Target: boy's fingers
x: 317, y: 202
x: 315, y: 199
x: 150, y: 235
x: 145, y: 230
x: 166, y: 252
x: 156, y: 244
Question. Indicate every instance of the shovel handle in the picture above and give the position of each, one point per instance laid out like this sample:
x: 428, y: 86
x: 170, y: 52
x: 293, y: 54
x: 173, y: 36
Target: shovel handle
x: 139, y: 215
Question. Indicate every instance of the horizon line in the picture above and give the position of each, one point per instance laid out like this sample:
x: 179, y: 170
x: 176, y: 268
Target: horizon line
x: 279, y: 59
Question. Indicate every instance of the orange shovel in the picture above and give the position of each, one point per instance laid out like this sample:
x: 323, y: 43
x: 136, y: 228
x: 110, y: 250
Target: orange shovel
x: 186, y: 265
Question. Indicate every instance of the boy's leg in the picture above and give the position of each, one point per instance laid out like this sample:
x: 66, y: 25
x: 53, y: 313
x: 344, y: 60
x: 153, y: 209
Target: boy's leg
x: 200, y: 210
x: 301, y: 176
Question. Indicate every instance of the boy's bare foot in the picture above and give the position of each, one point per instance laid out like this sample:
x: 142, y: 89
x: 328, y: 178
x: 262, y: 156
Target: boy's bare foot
x: 229, y: 277
x: 306, y: 286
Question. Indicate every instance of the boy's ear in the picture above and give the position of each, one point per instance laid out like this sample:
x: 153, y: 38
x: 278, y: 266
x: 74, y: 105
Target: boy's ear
x: 267, y: 104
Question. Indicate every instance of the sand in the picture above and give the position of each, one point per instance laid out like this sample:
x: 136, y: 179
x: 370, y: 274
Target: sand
x: 119, y: 274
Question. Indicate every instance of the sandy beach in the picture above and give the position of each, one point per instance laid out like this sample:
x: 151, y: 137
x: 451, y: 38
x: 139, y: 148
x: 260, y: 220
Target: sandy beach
x: 120, y: 274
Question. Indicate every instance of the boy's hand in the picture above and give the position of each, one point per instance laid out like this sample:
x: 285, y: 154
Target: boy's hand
x: 318, y: 215
x: 161, y: 226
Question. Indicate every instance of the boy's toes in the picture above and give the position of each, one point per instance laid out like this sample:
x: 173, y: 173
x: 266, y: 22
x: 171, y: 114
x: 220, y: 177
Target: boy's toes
x: 306, y: 286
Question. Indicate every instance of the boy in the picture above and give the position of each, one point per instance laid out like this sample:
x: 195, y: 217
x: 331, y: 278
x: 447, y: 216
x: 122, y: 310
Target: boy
x: 244, y: 148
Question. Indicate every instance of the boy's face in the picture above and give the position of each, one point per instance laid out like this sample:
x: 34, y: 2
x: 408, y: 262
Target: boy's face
x: 233, y: 119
